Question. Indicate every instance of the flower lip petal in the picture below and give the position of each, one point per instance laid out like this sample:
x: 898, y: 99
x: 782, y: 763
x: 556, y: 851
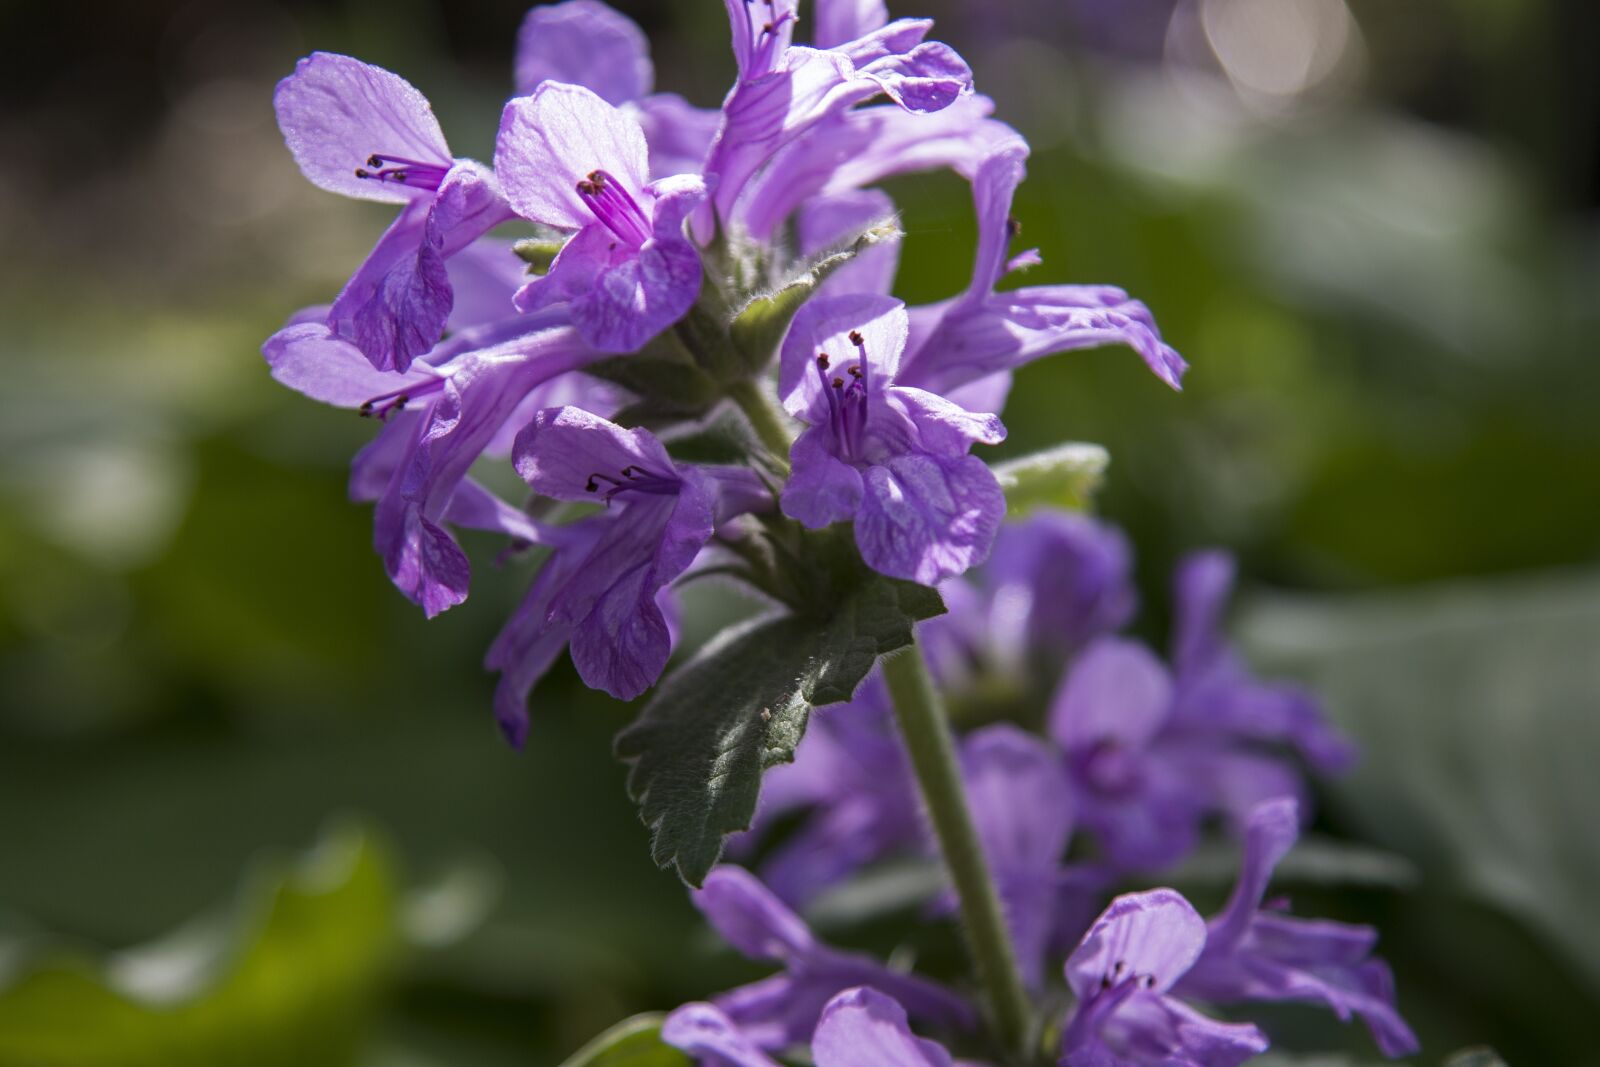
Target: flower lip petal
x: 336, y: 112
x: 554, y: 138
x: 862, y: 1027
x: 1116, y: 691
x: 569, y: 454
x: 584, y: 42
x: 751, y: 918
x: 1154, y: 936
x: 824, y: 326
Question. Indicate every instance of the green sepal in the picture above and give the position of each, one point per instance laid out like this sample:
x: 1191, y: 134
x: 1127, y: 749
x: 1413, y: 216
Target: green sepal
x: 634, y: 1042
x: 1066, y: 476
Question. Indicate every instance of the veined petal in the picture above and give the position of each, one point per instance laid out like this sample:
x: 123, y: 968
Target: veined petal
x: 829, y: 222
x: 679, y: 133
x: 1155, y: 936
x: 927, y: 518
x: 587, y: 43
x: 993, y: 188
x: 837, y: 22
x: 551, y: 140
x: 821, y: 489
x: 310, y: 359
x: 863, y: 1028
x: 531, y: 640
x: 824, y: 326
x: 1116, y: 691
x: 562, y: 449
x: 944, y: 427
x: 336, y: 112
x: 928, y: 78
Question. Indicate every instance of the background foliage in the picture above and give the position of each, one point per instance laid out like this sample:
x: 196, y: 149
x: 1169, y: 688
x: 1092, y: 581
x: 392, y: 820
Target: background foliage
x: 1386, y: 285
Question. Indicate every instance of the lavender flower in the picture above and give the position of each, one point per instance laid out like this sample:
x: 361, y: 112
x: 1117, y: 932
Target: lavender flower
x: 783, y: 1010
x: 893, y: 459
x: 1123, y: 973
x: 359, y: 130
x: 983, y: 333
x: 598, y: 593
x: 1253, y: 953
x: 571, y: 161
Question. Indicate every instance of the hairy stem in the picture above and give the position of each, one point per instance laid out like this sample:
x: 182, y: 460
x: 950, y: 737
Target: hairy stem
x: 927, y: 737
x: 764, y: 418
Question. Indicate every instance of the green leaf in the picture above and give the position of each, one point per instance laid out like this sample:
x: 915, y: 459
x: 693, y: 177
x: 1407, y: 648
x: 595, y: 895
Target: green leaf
x: 1475, y: 1057
x: 1474, y: 705
x: 1066, y: 476
x: 698, y: 749
x: 538, y: 253
x: 723, y: 438
x: 292, y: 978
x: 634, y: 1042
x: 761, y: 323
x: 665, y: 383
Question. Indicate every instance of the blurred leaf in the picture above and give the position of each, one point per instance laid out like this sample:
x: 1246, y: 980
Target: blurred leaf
x: 761, y: 323
x: 292, y: 978
x: 1314, y: 860
x: 1475, y: 1057
x: 1475, y: 704
x: 1063, y: 477
x: 723, y: 438
x: 740, y: 706
x: 634, y: 1042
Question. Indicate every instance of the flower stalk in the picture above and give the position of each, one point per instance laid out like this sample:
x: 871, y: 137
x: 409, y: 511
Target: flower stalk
x: 923, y: 724
x: 764, y: 419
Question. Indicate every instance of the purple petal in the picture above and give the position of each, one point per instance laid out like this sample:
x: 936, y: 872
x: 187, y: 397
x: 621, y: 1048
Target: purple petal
x: 944, y: 427
x: 836, y: 22
x: 310, y: 359
x: 829, y: 222
x: 823, y: 326
x: 928, y: 78
x: 562, y: 447
x: 863, y: 1028
x: 553, y: 139
x: 336, y: 112
x: 704, y: 1032
x: 750, y: 917
x: 586, y: 43
x: 1058, y: 580
x: 1270, y: 834
x: 531, y: 640
x: 1202, y: 584
x: 821, y: 489
x: 993, y: 187
x: 483, y: 277
x: 1115, y: 691
x: 679, y: 133
x: 632, y: 301
x: 1155, y: 936
x: 926, y: 518
x: 761, y: 33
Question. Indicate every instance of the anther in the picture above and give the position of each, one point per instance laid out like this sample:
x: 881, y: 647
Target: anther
x: 855, y: 372
x: 822, y: 360
x: 855, y: 338
x: 589, y: 486
x: 838, y: 383
x: 1013, y: 227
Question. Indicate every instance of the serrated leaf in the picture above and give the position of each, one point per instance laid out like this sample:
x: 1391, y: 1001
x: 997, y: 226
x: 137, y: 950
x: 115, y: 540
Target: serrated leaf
x: 634, y: 1042
x: 698, y: 749
x: 1066, y: 476
x: 291, y: 979
x: 761, y: 324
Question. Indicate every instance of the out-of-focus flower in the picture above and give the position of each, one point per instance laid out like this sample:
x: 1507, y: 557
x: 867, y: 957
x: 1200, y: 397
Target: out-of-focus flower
x: 571, y: 161
x: 1123, y: 974
x: 1257, y: 953
x: 359, y: 130
x: 783, y: 1010
x: 893, y: 459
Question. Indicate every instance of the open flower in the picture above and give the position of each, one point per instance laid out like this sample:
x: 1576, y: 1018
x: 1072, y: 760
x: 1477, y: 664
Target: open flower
x: 1254, y: 953
x: 893, y: 459
x: 359, y: 130
x: 598, y: 594
x: 783, y: 1010
x: 571, y: 161
x: 1123, y: 973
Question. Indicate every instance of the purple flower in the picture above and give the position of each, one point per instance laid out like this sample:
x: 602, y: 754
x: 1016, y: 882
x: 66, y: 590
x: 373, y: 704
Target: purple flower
x: 1022, y: 807
x: 584, y: 42
x: 1056, y: 581
x: 714, y: 1040
x: 1122, y: 973
x: 783, y: 92
x: 1144, y: 781
x: 359, y: 130
x: 864, y: 1028
x: 1253, y: 953
x: 1215, y: 688
x: 598, y: 594
x: 983, y: 332
x: 571, y: 161
x: 783, y: 1010
x: 464, y: 393
x: 893, y: 459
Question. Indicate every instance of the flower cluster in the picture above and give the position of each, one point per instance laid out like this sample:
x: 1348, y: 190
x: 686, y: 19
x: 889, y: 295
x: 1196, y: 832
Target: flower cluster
x: 1138, y: 758
x: 663, y: 224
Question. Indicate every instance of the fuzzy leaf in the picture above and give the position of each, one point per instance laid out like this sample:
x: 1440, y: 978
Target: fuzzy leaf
x: 739, y: 707
x: 761, y: 324
x: 1066, y: 476
x: 634, y: 1042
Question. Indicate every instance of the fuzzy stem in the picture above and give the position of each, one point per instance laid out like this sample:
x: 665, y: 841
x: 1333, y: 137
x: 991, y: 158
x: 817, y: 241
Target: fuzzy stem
x: 923, y: 724
x: 764, y: 418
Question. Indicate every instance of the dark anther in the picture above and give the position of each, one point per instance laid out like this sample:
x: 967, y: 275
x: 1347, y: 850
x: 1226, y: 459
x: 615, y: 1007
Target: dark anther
x: 1013, y: 227
x: 361, y: 173
x: 589, y: 486
x: 599, y: 178
x: 855, y: 372
x: 1121, y: 966
x: 838, y: 383
x: 855, y: 338
x: 1105, y: 981
x: 1149, y: 981
x: 588, y: 188
x: 629, y: 471
x: 375, y: 160
x: 822, y: 360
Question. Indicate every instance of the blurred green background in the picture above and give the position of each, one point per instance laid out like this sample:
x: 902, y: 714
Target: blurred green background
x: 1370, y: 226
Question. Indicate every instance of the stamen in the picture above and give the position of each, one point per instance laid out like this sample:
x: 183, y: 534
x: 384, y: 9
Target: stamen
x: 381, y: 407
x: 634, y: 478
x: 412, y: 173
x: 616, y: 209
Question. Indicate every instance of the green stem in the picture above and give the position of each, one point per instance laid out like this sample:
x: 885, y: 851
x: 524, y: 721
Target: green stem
x: 927, y: 736
x: 764, y: 418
